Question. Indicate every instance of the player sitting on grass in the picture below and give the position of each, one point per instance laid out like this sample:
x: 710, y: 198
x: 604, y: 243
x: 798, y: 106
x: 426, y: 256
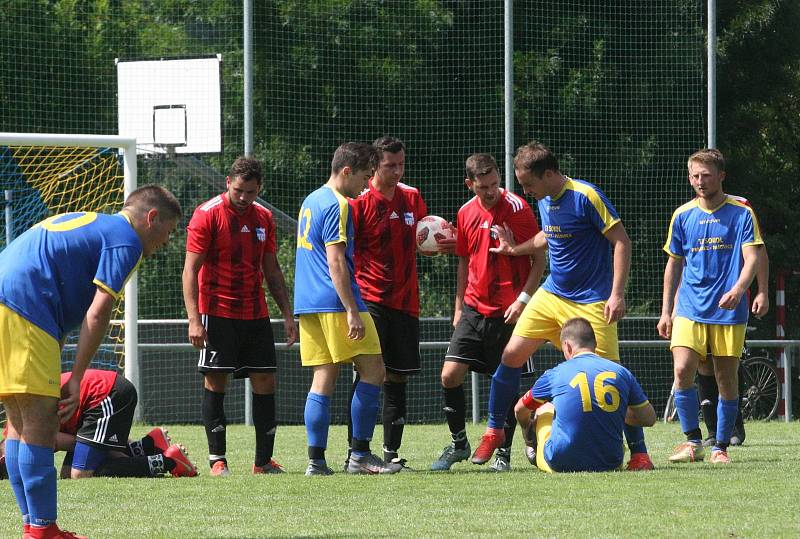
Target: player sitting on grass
x: 96, y: 435
x: 593, y: 397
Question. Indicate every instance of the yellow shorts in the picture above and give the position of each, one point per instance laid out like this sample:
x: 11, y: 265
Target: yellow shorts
x: 718, y: 339
x: 30, y: 358
x: 546, y: 313
x: 324, y: 340
x: 544, y: 425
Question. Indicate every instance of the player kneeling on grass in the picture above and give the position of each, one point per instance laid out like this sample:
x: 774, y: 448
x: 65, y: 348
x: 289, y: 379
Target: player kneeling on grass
x: 96, y: 435
x: 580, y: 407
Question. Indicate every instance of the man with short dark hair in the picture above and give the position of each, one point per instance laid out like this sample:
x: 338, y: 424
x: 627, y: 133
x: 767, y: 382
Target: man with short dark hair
x: 66, y: 272
x: 580, y: 408
x: 230, y: 250
x: 491, y: 291
x: 385, y: 217
x: 335, y: 325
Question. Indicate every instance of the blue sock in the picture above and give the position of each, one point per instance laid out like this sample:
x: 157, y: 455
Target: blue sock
x: 364, y: 411
x: 726, y: 417
x: 317, y: 417
x: 505, y: 386
x: 635, y: 438
x: 39, y: 475
x: 688, y: 409
x: 14, y: 477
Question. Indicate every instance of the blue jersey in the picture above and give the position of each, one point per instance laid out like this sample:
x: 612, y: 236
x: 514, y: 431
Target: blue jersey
x: 324, y: 219
x: 591, y: 396
x: 50, y: 274
x: 710, y: 243
x: 574, y: 223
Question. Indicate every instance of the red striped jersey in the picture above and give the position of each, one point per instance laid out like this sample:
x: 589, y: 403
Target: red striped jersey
x: 494, y: 281
x: 95, y: 387
x: 231, y: 278
x: 386, y: 248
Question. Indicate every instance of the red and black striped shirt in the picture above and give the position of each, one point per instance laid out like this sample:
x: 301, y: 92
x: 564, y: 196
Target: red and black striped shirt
x: 494, y: 281
x: 231, y: 278
x: 386, y: 248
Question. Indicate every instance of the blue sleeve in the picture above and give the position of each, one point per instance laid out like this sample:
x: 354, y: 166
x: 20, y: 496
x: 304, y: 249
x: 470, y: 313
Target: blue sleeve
x: 675, y: 237
x: 334, y: 223
x: 601, y: 216
x: 543, y: 388
x: 636, y: 396
x: 115, y: 267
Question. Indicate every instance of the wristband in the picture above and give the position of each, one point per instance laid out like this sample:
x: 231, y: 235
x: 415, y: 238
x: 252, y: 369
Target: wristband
x: 523, y: 297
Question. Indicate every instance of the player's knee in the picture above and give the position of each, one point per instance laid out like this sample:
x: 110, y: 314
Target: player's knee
x: 263, y: 383
x: 395, y: 378
x: 452, y: 376
x: 371, y: 369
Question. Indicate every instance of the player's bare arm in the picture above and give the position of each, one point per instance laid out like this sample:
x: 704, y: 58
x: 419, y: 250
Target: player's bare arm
x: 447, y: 246
x: 732, y: 297
x: 93, y: 330
x: 760, y: 305
x: 531, y: 284
x: 508, y: 246
x: 191, y: 270
x: 277, y: 288
x: 672, y: 276
x: 340, y: 275
x: 461, y: 288
x: 641, y: 416
x: 621, y: 246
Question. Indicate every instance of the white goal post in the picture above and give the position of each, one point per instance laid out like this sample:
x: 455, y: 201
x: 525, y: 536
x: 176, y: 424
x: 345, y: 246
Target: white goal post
x: 127, y: 147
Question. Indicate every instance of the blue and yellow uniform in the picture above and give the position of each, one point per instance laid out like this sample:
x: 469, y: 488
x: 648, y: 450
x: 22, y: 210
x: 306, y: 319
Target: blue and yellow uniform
x: 575, y: 223
x: 325, y: 219
x: 710, y: 242
x: 48, y: 279
x: 591, y: 396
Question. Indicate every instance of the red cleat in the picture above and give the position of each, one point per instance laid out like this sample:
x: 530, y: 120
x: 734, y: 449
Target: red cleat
x: 183, y: 466
x: 161, y: 439
x: 269, y: 468
x: 51, y: 532
x: 639, y: 462
x: 491, y: 440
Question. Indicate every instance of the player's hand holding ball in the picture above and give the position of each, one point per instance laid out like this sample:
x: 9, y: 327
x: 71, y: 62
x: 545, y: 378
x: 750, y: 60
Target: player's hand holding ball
x: 435, y: 236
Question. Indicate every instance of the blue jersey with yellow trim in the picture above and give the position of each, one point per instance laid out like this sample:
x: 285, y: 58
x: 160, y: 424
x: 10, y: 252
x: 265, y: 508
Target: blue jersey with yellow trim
x: 324, y: 219
x: 591, y: 396
x: 50, y: 274
x: 574, y: 223
x: 710, y: 243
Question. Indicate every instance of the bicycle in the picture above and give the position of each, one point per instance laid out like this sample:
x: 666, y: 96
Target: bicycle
x: 759, y: 386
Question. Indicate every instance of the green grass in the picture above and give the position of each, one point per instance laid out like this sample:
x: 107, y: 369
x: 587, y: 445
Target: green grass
x: 757, y: 496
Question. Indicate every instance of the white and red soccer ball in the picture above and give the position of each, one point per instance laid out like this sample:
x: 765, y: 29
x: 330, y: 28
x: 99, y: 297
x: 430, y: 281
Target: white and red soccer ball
x: 431, y: 230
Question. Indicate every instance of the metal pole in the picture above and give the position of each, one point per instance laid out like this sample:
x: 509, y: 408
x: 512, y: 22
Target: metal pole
x: 248, y: 148
x: 509, y: 92
x: 711, y: 49
x: 476, y: 401
x: 9, y: 217
x: 132, y: 290
x: 787, y: 382
x: 248, y: 77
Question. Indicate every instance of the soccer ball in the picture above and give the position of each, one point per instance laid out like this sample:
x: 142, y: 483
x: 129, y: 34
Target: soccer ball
x: 430, y: 229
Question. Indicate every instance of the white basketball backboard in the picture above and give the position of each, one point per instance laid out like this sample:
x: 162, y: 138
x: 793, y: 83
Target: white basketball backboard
x: 171, y: 104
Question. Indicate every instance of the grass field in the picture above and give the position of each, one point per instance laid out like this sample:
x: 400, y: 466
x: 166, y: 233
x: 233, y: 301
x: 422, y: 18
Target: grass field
x: 757, y: 496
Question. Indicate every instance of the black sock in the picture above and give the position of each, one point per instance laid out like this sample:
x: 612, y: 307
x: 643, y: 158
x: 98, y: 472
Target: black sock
x: 265, y: 425
x: 214, y: 421
x: 510, y: 425
x: 695, y: 434
x: 125, y: 467
x: 394, y: 414
x: 455, y: 409
x: 708, y: 395
x: 316, y: 453
x: 348, y: 412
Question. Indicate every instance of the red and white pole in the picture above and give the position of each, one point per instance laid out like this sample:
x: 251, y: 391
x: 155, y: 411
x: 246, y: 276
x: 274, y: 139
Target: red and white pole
x: 780, y: 323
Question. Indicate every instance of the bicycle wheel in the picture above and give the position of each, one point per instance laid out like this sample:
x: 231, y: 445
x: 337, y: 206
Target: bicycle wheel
x: 762, y: 389
x: 670, y: 412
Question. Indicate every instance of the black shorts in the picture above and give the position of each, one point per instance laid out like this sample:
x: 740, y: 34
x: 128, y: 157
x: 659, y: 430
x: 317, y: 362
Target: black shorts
x: 478, y: 341
x: 237, y: 346
x: 399, y: 336
x: 108, y: 424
